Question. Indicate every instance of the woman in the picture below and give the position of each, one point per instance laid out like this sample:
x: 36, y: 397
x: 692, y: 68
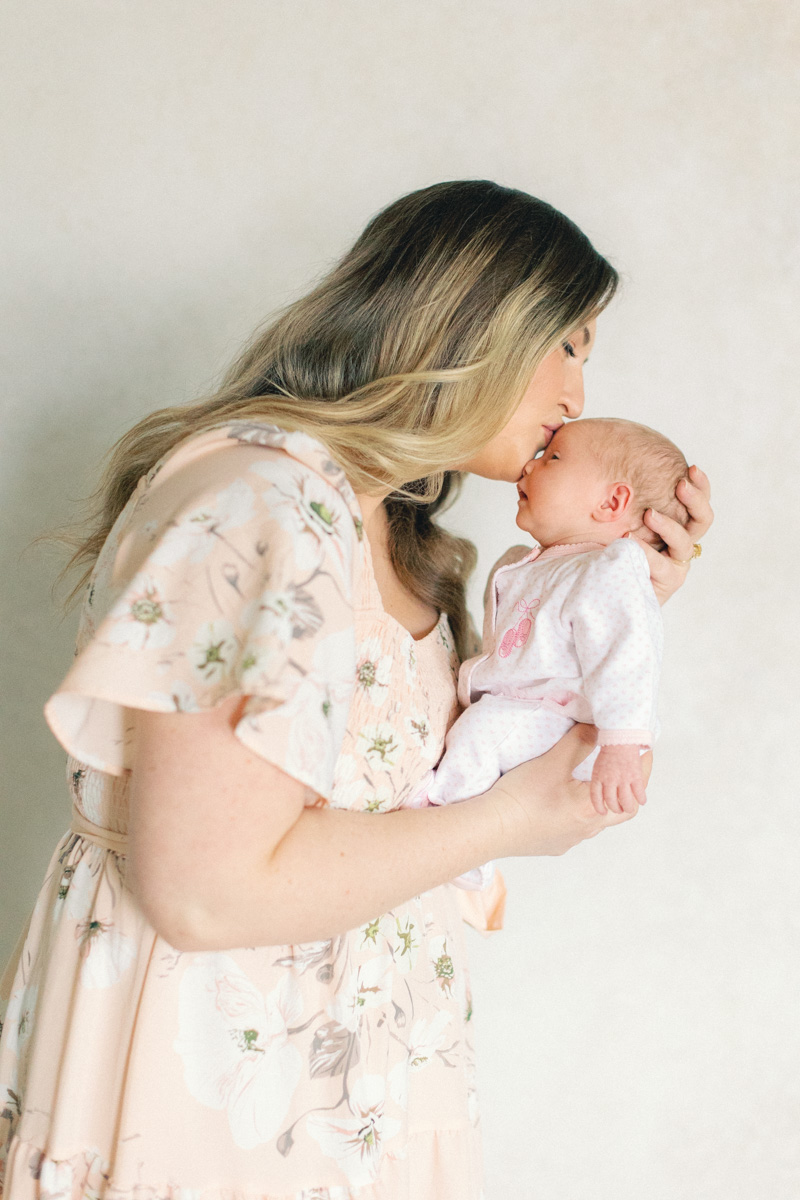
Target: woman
x: 245, y: 972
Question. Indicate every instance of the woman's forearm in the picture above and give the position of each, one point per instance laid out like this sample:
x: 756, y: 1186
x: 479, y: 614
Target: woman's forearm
x: 335, y: 870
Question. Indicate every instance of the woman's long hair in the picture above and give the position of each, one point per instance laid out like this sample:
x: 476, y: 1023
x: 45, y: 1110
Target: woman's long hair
x: 408, y: 357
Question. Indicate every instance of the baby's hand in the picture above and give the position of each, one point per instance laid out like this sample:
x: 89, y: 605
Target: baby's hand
x: 617, y: 780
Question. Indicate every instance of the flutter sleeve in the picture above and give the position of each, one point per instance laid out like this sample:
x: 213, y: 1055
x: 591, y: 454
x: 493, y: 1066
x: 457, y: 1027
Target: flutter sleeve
x: 617, y: 626
x: 230, y: 571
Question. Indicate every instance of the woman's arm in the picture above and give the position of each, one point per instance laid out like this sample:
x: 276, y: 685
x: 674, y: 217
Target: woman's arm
x: 224, y: 853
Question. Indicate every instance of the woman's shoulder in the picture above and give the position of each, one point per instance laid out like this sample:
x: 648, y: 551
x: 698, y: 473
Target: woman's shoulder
x: 224, y: 513
x: 238, y: 480
x: 256, y: 456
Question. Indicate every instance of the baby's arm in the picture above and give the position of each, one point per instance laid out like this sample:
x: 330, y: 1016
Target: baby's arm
x: 617, y: 632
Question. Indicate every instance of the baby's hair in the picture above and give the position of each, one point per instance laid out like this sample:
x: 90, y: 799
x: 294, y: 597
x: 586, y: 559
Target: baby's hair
x: 644, y: 458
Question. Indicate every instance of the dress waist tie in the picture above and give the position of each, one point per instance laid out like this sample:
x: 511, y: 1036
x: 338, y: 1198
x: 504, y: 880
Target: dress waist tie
x: 109, y: 839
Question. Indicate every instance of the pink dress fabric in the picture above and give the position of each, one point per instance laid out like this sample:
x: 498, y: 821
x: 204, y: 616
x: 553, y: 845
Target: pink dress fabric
x: 330, y: 1070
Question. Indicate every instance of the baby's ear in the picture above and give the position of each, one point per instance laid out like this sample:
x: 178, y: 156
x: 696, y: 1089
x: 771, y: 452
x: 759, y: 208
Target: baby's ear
x: 617, y: 503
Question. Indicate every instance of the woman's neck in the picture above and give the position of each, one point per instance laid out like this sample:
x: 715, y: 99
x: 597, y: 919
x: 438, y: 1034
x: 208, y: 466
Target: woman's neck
x: 376, y: 525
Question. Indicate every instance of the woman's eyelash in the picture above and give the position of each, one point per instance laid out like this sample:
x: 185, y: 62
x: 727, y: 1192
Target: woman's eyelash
x: 570, y: 349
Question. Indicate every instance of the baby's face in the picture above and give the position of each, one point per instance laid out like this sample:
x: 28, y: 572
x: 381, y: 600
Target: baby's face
x: 559, y: 490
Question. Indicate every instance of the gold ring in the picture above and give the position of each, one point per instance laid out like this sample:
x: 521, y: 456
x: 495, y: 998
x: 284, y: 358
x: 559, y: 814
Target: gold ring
x: 697, y: 550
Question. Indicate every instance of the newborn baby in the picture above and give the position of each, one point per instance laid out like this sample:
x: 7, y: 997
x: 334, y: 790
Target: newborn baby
x: 572, y: 630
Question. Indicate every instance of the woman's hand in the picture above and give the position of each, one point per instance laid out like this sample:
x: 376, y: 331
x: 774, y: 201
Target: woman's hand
x: 667, y: 573
x: 543, y: 809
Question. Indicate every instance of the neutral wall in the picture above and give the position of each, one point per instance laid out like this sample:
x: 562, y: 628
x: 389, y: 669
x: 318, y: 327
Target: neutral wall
x: 179, y: 169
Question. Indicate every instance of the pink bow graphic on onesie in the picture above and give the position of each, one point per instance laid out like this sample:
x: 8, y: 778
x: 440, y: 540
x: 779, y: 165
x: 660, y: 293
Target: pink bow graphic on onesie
x: 517, y: 635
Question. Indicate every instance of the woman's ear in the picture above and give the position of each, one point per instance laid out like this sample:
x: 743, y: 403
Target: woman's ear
x: 616, y: 503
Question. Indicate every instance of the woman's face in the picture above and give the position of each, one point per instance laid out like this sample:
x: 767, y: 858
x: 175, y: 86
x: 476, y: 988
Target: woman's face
x: 554, y: 393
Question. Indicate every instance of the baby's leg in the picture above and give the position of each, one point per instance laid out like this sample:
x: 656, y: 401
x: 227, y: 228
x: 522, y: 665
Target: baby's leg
x: 489, y: 738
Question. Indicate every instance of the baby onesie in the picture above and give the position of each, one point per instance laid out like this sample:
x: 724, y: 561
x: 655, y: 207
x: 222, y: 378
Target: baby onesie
x: 571, y: 633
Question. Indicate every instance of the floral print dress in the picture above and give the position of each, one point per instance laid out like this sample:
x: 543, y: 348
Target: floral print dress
x: 332, y: 1070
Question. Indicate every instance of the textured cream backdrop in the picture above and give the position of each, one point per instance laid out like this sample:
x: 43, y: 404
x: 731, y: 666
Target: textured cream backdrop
x: 179, y: 169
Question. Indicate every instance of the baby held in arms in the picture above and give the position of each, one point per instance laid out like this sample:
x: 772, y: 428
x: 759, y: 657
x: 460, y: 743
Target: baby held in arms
x: 572, y: 630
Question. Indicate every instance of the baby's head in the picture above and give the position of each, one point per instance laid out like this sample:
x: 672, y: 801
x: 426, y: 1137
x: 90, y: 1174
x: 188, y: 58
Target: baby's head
x: 595, y: 480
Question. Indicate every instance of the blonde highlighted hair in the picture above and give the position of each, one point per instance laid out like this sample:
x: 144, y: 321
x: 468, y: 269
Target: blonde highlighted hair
x: 406, y: 359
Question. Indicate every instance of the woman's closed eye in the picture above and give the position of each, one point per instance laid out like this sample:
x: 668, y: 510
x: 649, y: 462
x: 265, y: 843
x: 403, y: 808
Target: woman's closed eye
x: 570, y: 349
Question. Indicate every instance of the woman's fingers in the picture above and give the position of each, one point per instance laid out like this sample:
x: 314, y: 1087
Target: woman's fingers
x: 668, y: 567
x: 696, y: 496
x: 596, y: 796
x: 640, y: 795
x: 666, y: 575
x: 679, y: 542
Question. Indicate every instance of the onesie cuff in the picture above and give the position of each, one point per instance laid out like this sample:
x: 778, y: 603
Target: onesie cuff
x: 624, y: 737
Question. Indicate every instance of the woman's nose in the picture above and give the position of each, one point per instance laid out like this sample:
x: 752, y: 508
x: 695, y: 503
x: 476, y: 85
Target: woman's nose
x: 572, y: 395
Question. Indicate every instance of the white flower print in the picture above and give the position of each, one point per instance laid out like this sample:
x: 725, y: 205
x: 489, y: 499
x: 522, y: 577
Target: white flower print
x: 405, y: 943
x: 348, y: 782
x: 142, y: 619
x: 373, y: 670
x: 235, y: 1048
x: 286, y: 614
x: 442, y: 963
x: 55, y: 1180
x: 419, y: 729
x: 195, y: 535
x: 213, y: 652
x: 259, y: 670
x: 379, y: 798
x: 426, y: 1038
x: 381, y: 745
x: 311, y: 511
x: 20, y: 1011
x: 472, y: 1090
x: 369, y: 986
x: 81, y: 887
x: 398, y: 1083
x: 107, y: 953
x: 371, y: 931
x: 319, y: 707
x: 258, y: 433
x: 410, y: 662
x: 357, y: 1142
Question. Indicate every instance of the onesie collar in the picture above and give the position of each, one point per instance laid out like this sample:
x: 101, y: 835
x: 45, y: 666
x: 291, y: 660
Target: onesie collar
x: 560, y: 550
